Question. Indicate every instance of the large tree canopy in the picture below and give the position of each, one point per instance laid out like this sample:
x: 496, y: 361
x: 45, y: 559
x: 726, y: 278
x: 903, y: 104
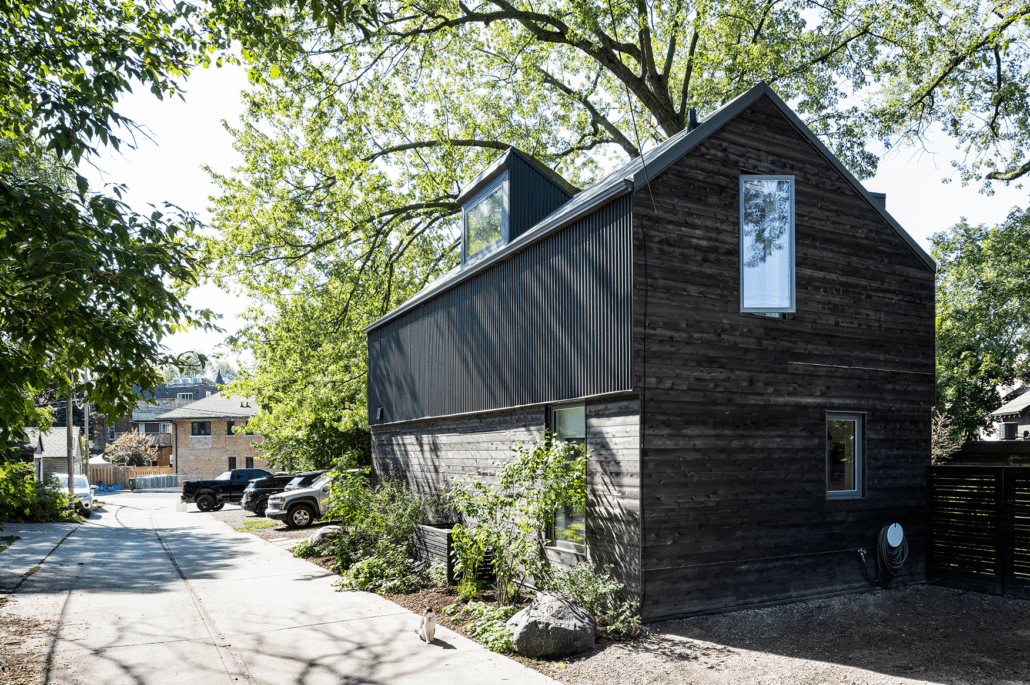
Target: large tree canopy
x: 983, y: 318
x: 364, y: 119
x: 85, y: 283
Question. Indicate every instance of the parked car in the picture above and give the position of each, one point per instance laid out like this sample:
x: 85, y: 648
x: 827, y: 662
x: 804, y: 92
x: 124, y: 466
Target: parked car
x: 299, y: 508
x: 304, y: 480
x: 255, y: 496
x: 212, y: 495
x: 83, y: 493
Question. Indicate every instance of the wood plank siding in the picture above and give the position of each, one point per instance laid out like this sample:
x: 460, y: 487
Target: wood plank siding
x: 550, y: 323
x: 733, y: 453
x: 428, y: 455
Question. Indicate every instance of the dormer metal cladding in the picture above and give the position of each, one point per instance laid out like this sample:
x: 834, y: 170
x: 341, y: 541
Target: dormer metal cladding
x: 510, y: 196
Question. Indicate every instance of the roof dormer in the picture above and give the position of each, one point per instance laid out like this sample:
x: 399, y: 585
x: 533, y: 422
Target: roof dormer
x: 503, y: 202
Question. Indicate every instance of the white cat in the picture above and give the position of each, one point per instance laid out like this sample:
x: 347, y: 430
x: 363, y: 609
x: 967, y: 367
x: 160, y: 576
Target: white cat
x: 427, y: 628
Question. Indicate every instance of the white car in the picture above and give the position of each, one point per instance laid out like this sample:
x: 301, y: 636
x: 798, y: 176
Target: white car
x: 83, y: 493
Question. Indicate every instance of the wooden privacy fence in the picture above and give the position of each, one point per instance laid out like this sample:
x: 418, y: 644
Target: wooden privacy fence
x: 120, y: 475
x: 979, y: 528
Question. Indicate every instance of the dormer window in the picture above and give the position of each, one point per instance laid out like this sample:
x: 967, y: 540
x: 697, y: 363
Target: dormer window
x: 486, y: 221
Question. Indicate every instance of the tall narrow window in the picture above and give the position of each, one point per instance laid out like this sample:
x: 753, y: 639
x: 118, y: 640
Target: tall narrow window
x: 767, y: 244
x: 569, y: 530
x: 843, y: 456
x: 486, y: 218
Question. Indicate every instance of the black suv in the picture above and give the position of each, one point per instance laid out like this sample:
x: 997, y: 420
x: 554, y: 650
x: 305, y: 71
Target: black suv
x: 304, y: 480
x: 255, y: 497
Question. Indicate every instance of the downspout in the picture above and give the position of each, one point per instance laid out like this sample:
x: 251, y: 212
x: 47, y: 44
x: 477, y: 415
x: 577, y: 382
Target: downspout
x: 175, y: 439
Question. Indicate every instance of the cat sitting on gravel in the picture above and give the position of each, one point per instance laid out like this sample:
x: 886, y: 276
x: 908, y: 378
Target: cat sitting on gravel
x: 427, y: 628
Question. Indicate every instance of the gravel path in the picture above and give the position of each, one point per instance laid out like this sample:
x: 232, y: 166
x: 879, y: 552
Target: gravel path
x: 903, y: 636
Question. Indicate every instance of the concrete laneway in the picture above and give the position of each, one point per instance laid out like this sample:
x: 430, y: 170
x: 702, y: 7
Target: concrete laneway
x: 144, y: 594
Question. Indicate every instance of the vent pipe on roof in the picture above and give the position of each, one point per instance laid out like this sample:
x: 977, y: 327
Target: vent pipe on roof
x: 691, y: 119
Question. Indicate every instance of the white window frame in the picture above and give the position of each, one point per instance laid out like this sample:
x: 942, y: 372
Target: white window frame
x: 502, y: 183
x: 791, y: 264
x: 859, y: 419
x: 184, y: 396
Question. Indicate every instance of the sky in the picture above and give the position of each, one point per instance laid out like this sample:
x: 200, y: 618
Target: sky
x: 187, y: 135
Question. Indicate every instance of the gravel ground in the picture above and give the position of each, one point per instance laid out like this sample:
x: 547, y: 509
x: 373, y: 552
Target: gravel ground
x: 266, y: 529
x: 22, y: 648
x: 914, y: 634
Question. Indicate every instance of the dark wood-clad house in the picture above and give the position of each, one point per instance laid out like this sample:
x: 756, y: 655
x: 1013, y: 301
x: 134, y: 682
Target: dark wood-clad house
x: 738, y: 331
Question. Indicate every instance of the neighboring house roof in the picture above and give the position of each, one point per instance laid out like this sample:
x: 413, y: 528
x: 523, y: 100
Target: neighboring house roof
x: 55, y: 442
x: 215, y: 407
x: 635, y: 175
x: 1016, y: 407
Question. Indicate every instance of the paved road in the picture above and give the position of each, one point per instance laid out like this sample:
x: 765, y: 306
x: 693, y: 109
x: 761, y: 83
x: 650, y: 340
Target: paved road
x: 145, y: 594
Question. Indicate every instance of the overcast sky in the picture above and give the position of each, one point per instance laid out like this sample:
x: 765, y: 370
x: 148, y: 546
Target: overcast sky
x: 187, y: 135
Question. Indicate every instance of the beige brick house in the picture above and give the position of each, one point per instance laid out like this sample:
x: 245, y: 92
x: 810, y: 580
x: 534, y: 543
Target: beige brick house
x: 204, y: 437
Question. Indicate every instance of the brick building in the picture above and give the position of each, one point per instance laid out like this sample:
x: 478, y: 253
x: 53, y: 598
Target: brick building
x: 205, y: 439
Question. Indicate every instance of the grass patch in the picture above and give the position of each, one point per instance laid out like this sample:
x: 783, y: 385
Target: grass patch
x: 7, y: 540
x: 248, y: 526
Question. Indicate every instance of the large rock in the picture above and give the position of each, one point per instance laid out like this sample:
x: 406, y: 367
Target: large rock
x: 321, y: 536
x: 552, y: 625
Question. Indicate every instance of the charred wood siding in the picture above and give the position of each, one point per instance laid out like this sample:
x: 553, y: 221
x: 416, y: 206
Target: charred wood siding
x: 551, y: 323
x: 429, y: 455
x: 733, y: 472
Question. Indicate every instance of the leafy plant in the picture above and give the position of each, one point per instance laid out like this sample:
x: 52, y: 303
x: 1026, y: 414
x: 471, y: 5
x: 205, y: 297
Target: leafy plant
x: 487, y: 625
x: 387, y: 573
x: 23, y: 498
x: 509, y: 518
x: 598, y: 592
x: 438, y: 574
x: 942, y: 438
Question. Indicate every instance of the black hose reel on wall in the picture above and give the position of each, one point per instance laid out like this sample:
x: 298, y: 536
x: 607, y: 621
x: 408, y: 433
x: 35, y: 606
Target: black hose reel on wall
x: 891, y: 553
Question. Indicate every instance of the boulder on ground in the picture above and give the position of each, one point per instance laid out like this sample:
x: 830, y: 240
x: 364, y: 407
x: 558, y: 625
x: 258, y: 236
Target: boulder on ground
x: 552, y: 626
x: 321, y: 536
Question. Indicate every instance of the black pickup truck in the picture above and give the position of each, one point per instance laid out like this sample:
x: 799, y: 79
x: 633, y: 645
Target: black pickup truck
x: 212, y: 495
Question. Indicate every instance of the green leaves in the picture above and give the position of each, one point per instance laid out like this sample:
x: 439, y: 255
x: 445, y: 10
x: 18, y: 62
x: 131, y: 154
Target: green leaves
x: 983, y: 318
x: 509, y: 518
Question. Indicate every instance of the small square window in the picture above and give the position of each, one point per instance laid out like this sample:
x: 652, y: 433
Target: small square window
x: 201, y: 428
x: 486, y: 221
x: 843, y: 456
x: 568, y: 530
x: 767, y: 244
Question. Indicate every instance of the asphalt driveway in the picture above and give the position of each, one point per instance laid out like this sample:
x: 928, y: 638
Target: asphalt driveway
x: 145, y: 594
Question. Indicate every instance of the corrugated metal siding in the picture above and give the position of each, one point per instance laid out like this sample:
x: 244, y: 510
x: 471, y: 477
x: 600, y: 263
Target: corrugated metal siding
x: 551, y: 323
x: 533, y: 197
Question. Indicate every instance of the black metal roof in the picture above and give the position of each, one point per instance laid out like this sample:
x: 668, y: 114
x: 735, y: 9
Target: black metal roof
x: 634, y: 175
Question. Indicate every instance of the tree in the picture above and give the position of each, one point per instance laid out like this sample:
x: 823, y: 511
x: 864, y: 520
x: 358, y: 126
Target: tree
x: 364, y: 120
x: 131, y: 449
x: 195, y: 364
x: 983, y: 318
x: 962, y: 66
x: 85, y: 283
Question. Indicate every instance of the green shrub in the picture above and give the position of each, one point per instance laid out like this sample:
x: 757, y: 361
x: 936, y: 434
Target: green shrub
x: 23, y: 498
x: 388, y: 573
x: 598, y: 592
x: 305, y: 550
x: 487, y: 625
x: 509, y: 519
x: 438, y: 574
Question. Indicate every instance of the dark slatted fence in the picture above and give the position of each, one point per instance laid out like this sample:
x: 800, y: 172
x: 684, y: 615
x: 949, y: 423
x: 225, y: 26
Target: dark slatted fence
x: 979, y: 528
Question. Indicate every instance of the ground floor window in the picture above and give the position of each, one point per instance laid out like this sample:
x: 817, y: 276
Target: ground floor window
x: 232, y: 463
x: 568, y: 424
x: 250, y: 462
x: 843, y: 456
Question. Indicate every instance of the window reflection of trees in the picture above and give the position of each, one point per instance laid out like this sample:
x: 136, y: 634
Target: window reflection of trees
x: 766, y: 218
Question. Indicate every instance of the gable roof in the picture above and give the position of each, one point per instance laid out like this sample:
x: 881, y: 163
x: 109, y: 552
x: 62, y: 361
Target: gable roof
x: 217, y: 406
x: 636, y: 174
x: 55, y: 441
x: 1013, y: 408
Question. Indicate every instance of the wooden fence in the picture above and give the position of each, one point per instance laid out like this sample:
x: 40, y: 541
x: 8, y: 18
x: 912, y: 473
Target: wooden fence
x: 120, y: 475
x: 979, y: 528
